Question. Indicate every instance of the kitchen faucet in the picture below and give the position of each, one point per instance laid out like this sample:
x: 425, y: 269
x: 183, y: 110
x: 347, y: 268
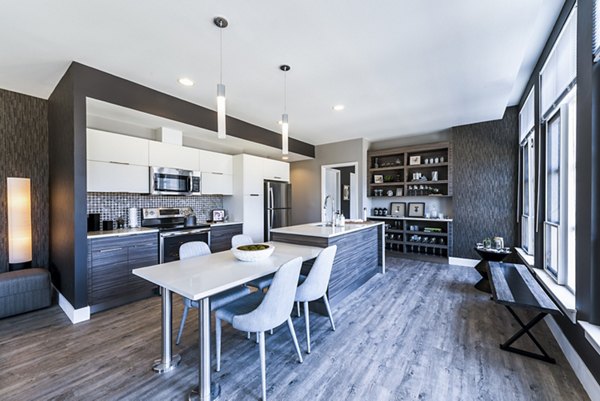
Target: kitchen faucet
x: 328, y: 197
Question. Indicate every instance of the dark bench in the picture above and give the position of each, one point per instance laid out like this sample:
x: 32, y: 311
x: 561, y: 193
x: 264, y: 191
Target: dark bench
x: 23, y: 291
x: 514, y: 285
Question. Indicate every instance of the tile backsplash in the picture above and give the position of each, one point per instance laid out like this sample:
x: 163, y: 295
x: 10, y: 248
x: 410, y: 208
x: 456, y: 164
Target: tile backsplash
x: 112, y: 205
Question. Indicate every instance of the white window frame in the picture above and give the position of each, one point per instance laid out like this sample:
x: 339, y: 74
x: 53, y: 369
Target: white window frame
x: 565, y: 273
x: 528, y: 213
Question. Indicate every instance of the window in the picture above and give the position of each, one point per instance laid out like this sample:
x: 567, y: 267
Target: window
x: 526, y: 136
x: 528, y: 185
x: 558, y: 112
x: 560, y: 172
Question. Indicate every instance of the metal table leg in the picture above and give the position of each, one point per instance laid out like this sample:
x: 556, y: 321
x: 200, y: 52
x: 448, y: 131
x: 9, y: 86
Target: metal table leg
x: 205, y: 391
x: 168, y: 361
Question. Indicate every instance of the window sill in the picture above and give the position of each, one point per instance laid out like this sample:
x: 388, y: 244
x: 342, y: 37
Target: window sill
x: 564, y: 298
x: 592, y: 334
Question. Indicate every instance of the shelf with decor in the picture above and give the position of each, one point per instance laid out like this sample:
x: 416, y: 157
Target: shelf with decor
x: 429, y: 166
x: 417, y: 236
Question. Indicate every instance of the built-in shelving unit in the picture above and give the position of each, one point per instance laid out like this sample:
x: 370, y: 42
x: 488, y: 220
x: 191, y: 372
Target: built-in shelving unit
x: 424, y: 170
x: 417, y: 236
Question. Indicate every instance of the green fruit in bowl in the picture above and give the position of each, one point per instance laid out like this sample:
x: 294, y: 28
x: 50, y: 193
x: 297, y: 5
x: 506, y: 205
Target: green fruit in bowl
x: 253, y: 247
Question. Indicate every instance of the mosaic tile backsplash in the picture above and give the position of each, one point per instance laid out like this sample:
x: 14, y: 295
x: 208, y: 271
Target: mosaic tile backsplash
x: 111, y: 205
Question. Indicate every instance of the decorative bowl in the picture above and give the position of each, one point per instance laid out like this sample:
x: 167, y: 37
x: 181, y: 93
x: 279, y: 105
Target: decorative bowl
x: 253, y: 252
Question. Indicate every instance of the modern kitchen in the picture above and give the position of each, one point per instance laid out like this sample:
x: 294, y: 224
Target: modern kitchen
x: 426, y: 232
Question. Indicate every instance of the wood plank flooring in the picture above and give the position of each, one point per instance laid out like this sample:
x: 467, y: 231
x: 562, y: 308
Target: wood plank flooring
x: 419, y: 332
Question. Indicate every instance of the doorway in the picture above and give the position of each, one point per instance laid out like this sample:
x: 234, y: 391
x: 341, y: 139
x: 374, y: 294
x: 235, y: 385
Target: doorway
x: 339, y: 190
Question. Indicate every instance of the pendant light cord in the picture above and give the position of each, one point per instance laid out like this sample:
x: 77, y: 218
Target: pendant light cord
x: 221, y: 54
x: 284, y: 92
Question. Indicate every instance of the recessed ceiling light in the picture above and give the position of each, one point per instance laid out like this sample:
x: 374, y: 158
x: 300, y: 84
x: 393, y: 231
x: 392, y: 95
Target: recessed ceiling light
x: 279, y: 122
x: 186, y: 81
x: 339, y: 107
x: 284, y: 157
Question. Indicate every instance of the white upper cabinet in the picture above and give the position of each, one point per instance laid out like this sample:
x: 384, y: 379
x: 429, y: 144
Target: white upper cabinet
x: 212, y: 162
x: 252, y: 174
x: 216, y: 184
x: 174, y: 156
x: 276, y: 170
x: 117, y: 177
x: 108, y: 147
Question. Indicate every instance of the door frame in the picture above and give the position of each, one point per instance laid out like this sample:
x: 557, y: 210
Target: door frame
x: 335, y: 165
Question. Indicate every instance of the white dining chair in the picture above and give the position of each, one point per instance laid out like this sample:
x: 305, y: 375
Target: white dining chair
x: 199, y: 248
x: 315, y: 286
x: 260, y: 312
x: 259, y: 283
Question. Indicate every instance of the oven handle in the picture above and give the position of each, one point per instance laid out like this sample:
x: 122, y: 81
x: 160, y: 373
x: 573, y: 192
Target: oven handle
x: 186, y: 232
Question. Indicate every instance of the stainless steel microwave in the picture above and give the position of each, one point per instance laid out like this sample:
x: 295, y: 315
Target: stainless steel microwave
x: 173, y: 181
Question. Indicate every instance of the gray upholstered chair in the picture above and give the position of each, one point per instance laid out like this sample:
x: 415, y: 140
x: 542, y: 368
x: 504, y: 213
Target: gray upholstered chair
x: 260, y: 312
x: 259, y: 283
x: 199, y: 248
x: 315, y: 286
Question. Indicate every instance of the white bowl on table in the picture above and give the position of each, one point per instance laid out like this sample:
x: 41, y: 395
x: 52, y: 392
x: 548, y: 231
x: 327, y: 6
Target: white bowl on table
x: 252, y: 255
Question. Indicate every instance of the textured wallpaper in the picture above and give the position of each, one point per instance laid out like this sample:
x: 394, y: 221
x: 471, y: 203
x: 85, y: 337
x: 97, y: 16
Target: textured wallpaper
x: 24, y: 153
x: 485, y: 183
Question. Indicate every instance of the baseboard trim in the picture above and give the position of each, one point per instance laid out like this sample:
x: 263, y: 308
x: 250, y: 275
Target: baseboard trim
x: 582, y: 372
x: 75, y: 315
x: 462, y: 262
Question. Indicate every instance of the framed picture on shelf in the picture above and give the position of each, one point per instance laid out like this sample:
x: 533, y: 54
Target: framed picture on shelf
x: 414, y: 160
x: 398, y: 209
x: 378, y: 178
x: 346, y: 192
x: 399, y: 192
x: 416, y: 209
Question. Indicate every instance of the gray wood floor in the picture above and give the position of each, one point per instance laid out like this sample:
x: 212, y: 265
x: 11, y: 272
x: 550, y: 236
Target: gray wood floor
x: 419, y: 332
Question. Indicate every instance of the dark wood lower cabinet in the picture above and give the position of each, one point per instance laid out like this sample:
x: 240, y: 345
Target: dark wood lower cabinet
x: 220, y: 236
x: 110, y: 261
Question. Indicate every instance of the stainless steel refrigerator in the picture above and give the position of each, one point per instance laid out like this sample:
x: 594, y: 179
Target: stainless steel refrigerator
x: 278, y: 206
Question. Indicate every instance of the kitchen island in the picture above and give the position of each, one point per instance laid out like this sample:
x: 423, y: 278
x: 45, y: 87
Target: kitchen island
x: 360, y: 253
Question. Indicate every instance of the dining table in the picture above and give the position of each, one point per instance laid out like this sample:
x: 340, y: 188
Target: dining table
x: 200, y: 278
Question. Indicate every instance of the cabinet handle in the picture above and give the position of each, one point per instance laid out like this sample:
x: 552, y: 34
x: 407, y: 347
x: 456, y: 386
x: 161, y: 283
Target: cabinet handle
x: 124, y: 164
x: 254, y: 195
x: 279, y: 178
x: 216, y: 173
x: 110, y: 250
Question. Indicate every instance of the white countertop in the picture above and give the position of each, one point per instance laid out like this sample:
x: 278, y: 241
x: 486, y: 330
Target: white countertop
x: 408, y: 218
x: 205, y: 276
x: 320, y: 230
x: 120, y: 232
x: 224, y: 223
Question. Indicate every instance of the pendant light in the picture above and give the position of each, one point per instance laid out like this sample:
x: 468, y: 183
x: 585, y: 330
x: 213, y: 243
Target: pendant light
x: 221, y: 23
x: 284, y: 116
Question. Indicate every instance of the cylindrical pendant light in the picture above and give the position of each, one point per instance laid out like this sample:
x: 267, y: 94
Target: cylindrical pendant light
x: 284, y: 116
x: 18, y: 191
x: 221, y: 112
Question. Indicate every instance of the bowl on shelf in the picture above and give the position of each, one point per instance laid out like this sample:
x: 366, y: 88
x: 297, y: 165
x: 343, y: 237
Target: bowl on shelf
x: 253, y: 252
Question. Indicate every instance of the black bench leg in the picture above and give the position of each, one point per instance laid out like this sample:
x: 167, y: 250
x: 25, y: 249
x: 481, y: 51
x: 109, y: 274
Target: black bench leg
x: 525, y: 330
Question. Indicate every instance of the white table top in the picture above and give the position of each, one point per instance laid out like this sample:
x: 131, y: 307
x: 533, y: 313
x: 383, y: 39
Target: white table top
x: 204, y: 276
x: 320, y: 230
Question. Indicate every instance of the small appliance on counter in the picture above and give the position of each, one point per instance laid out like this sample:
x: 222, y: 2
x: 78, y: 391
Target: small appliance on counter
x: 93, y: 222
x: 108, y: 225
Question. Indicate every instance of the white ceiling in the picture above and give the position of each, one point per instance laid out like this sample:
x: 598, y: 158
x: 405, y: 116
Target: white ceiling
x: 400, y: 67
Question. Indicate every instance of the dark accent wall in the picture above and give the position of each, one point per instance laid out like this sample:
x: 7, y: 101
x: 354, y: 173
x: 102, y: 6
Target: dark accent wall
x: 24, y: 153
x: 485, y: 182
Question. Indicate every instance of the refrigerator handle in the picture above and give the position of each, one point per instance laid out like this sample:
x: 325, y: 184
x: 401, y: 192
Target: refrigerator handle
x: 271, y: 198
x: 271, y: 220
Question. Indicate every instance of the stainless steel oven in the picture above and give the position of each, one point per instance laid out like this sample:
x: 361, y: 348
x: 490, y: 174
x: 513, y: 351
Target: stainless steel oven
x: 173, y: 232
x: 173, y: 181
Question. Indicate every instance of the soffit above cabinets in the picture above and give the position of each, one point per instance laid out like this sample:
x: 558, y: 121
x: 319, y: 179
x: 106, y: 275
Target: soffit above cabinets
x: 399, y: 67
x: 109, y: 117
